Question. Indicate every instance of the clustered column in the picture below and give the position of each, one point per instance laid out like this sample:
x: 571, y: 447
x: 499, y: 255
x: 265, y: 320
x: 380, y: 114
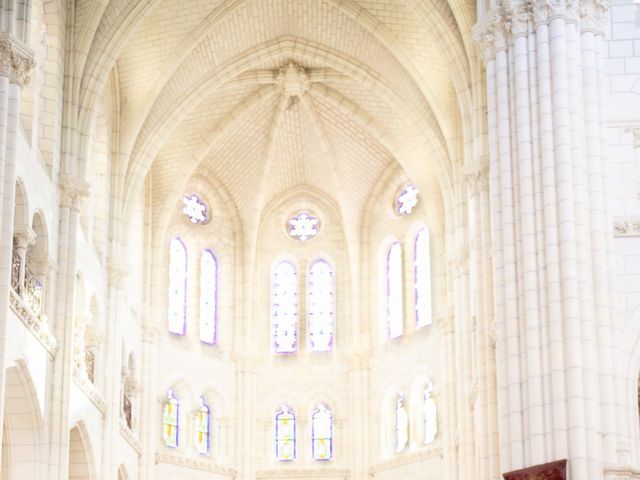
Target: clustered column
x: 549, y: 233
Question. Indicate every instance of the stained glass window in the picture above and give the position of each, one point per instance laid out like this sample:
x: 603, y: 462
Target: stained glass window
x: 284, y: 307
x: 322, y: 434
x: 285, y: 435
x: 402, y: 425
x: 208, y: 297
x: 170, y: 419
x: 194, y: 209
x: 321, y: 305
x: 394, y: 291
x: 202, y: 428
x: 407, y: 199
x: 423, y: 278
x: 430, y: 416
x: 177, y: 287
x: 303, y: 226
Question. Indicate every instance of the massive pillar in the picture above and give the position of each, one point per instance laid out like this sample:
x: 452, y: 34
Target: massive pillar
x: 549, y: 233
x: 15, y: 66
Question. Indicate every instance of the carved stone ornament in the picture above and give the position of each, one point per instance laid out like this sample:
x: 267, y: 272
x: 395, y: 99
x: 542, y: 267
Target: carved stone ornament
x: 324, y: 473
x: 195, y: 463
x: 477, y: 175
x: 72, y: 191
x: 593, y: 15
x: 16, y: 60
x: 130, y: 437
x: 37, y: 326
x: 292, y: 80
x: 431, y: 451
x: 626, y: 227
x: 89, y: 389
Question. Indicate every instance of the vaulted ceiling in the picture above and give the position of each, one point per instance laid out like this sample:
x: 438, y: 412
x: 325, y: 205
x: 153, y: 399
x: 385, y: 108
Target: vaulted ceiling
x: 270, y: 94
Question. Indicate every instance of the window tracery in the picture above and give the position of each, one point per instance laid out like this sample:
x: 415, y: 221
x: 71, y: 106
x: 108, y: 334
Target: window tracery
x: 430, y: 416
x: 407, y: 199
x: 303, y: 226
x: 321, y: 306
x: 284, y: 308
x: 394, y: 291
x: 194, y: 209
x: 177, y: 287
x: 208, y: 297
x: 285, y: 435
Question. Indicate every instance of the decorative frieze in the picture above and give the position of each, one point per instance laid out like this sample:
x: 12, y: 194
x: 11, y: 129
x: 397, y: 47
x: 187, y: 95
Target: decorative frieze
x: 626, y: 227
x: 16, y: 60
x: 406, y: 459
x: 37, y: 326
x: 332, y: 473
x: 89, y: 389
x: 195, y: 463
x: 129, y: 436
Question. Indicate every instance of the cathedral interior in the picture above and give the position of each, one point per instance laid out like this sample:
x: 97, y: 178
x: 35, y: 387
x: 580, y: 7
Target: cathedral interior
x: 320, y: 239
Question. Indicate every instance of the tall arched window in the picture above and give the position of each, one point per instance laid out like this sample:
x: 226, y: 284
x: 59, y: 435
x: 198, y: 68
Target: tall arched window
x: 322, y: 434
x: 208, y: 297
x: 394, y: 291
x: 402, y: 425
x: 422, y: 269
x: 285, y: 435
x: 202, y: 423
x: 284, y: 308
x: 430, y: 416
x: 170, y: 420
x: 177, y: 287
x: 320, y: 306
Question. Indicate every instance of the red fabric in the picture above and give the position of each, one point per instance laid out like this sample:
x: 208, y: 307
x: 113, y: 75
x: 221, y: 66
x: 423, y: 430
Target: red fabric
x: 549, y: 471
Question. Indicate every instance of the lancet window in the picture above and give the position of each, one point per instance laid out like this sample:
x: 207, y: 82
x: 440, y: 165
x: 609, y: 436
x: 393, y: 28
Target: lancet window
x: 208, y: 297
x: 429, y: 411
x: 395, y: 318
x: 202, y: 428
x: 170, y: 420
x: 402, y: 425
x: 321, y: 306
x: 284, y: 307
x: 177, y: 287
x: 322, y: 434
x: 285, y: 435
x: 422, y: 270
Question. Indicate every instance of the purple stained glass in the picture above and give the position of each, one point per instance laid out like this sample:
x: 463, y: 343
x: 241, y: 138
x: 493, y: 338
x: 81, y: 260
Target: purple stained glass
x: 407, y: 199
x: 177, y: 287
x: 321, y: 306
x: 284, y: 308
x: 395, y: 319
x: 208, y: 297
x: 303, y: 226
x: 422, y: 270
x: 194, y: 209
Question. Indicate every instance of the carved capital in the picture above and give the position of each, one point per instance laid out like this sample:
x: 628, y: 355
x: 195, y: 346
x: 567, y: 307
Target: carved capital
x: 16, y: 60
x: 72, y: 191
x: 593, y: 15
x: 24, y: 236
x: 491, y: 34
x: 117, y: 272
x: 517, y: 19
x: 544, y: 11
x: 458, y: 259
x: 477, y: 175
x: 626, y: 227
x: 635, y: 133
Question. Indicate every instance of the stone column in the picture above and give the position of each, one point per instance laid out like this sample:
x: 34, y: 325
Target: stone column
x: 550, y: 262
x: 22, y: 239
x: 72, y: 190
x: 150, y: 416
x: 15, y: 66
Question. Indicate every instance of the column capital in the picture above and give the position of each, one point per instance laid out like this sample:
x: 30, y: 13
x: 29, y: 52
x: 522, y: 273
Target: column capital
x: 117, y: 273
x: 635, y: 133
x: 491, y: 33
x: 16, y: 60
x: 24, y: 236
x: 593, y: 15
x: 477, y: 174
x: 151, y: 332
x: 72, y: 191
x: 544, y: 11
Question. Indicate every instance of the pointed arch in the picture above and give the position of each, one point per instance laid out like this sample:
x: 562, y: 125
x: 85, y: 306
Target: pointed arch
x: 284, y: 307
x: 81, y: 459
x: 177, y: 311
x: 321, y: 306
